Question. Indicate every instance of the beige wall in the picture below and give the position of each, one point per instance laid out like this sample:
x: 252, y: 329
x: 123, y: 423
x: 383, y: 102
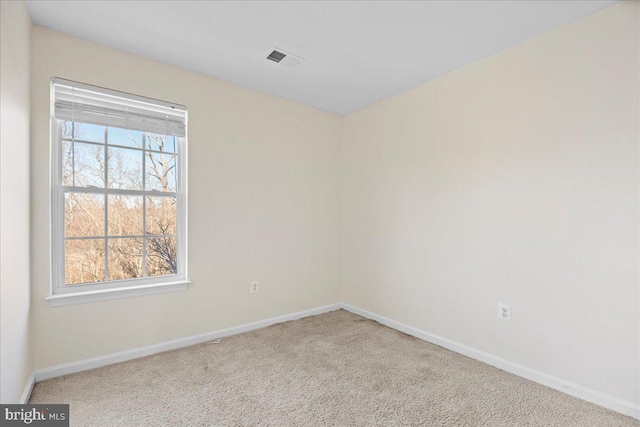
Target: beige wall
x: 263, y: 205
x: 16, y: 357
x: 514, y: 180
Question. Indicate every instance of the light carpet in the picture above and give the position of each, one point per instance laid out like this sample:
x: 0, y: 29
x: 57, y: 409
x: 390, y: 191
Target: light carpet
x: 335, y: 369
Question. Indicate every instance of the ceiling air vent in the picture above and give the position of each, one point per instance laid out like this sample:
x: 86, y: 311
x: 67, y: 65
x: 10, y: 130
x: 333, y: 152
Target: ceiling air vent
x: 281, y: 57
x: 276, y: 56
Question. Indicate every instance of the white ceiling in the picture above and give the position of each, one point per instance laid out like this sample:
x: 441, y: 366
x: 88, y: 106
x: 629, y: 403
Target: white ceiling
x: 357, y: 52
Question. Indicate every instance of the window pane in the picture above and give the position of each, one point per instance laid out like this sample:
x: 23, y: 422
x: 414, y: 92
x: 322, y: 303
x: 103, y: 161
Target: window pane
x: 127, y: 138
x: 125, y: 258
x: 88, y: 165
x: 125, y: 215
x: 161, y: 215
x: 88, y: 132
x: 160, y: 142
x: 67, y: 129
x: 125, y: 169
x: 84, y: 261
x: 161, y: 172
x: 161, y: 256
x: 83, y: 215
x: 67, y: 163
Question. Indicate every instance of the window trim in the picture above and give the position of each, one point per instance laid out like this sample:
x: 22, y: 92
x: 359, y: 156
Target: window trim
x: 58, y: 300
x: 61, y: 294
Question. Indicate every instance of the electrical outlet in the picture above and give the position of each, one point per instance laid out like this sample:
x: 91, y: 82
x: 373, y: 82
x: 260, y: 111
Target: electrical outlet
x: 255, y: 287
x: 504, y: 312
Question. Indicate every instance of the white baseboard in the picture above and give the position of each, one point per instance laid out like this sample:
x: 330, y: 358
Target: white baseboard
x: 26, y: 394
x: 576, y: 390
x: 135, y: 353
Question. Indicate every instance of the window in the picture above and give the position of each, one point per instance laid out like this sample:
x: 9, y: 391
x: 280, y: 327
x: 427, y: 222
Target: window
x: 118, y: 194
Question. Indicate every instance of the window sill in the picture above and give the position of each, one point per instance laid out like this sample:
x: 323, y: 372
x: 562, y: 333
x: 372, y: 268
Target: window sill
x: 114, y: 293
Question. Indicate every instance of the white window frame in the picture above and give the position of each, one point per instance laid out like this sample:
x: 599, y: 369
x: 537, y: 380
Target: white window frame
x: 62, y: 294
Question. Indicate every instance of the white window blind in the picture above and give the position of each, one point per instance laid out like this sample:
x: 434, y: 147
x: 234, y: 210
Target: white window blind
x: 78, y: 102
